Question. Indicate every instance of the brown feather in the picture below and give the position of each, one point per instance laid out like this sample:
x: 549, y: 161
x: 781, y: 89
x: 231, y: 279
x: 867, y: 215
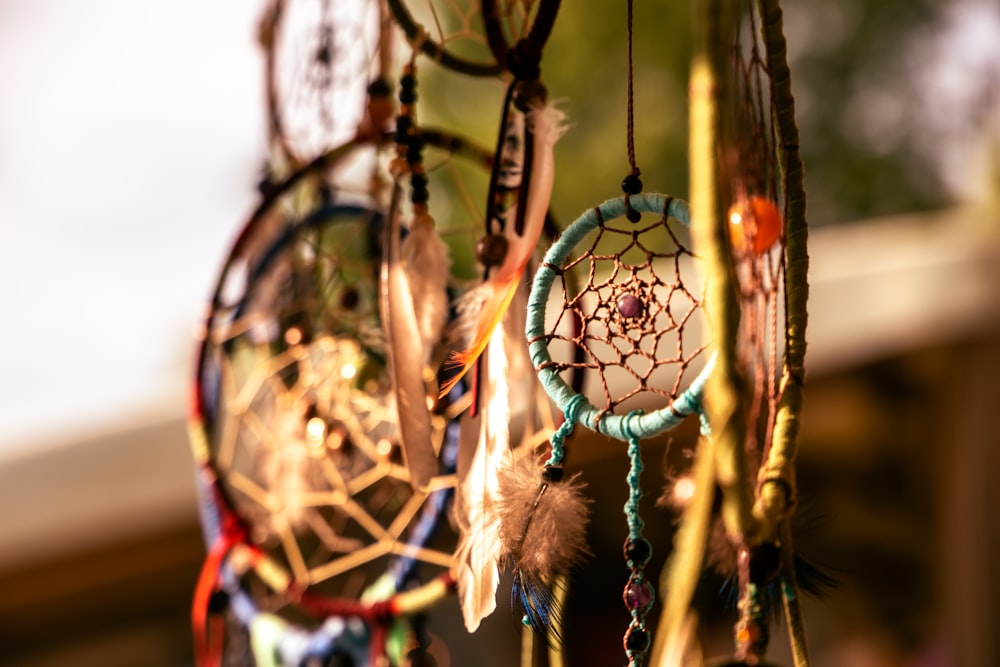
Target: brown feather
x: 544, y: 531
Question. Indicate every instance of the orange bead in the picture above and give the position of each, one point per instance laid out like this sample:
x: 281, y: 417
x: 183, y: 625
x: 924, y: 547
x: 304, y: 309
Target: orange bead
x: 754, y: 225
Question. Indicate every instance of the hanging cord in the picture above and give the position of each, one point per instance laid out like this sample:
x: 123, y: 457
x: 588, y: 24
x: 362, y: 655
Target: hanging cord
x: 639, y: 594
x: 631, y: 184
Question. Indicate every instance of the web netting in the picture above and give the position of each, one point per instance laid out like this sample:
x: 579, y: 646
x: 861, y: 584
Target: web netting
x: 628, y: 312
x: 304, y: 437
x: 749, y: 171
x: 321, y: 57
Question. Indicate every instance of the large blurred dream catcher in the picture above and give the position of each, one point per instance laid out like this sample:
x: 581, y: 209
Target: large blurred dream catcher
x: 392, y: 373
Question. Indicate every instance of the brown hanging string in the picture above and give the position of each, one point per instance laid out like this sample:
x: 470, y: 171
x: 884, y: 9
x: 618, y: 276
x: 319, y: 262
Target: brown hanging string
x: 631, y: 184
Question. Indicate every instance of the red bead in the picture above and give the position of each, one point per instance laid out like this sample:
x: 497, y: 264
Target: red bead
x: 754, y: 225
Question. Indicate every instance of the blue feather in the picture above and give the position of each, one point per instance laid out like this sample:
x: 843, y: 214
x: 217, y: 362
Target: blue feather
x: 538, y: 605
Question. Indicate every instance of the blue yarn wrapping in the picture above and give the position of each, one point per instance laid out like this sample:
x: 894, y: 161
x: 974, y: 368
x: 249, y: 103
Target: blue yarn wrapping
x: 645, y: 425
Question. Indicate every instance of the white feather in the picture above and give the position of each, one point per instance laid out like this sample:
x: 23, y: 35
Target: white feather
x: 477, y: 558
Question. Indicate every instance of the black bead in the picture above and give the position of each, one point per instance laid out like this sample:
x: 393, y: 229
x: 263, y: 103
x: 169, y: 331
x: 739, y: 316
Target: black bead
x: 403, y: 125
x: 218, y: 602
x: 340, y: 659
x: 632, y: 184
x: 636, y: 639
x: 552, y: 473
x: 407, y: 95
x: 420, y: 195
x: 633, y: 215
x: 349, y: 298
x: 418, y: 181
x: 765, y: 563
x: 379, y: 88
x: 415, y: 151
x: 407, y: 82
x: 638, y: 551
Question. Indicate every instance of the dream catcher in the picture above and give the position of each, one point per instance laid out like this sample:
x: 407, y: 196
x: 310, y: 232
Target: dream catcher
x: 327, y: 461
x: 374, y: 431
x: 745, y: 163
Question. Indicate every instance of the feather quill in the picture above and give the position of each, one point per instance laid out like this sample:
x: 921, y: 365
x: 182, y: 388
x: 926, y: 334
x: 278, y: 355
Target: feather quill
x: 402, y: 328
x: 485, y: 305
x: 477, y: 558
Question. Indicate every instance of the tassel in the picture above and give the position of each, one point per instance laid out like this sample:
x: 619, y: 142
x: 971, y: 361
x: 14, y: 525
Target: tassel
x: 399, y: 320
x: 482, y: 308
x: 543, y: 522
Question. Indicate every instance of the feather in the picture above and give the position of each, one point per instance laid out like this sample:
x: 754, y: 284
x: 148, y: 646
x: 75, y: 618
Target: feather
x: 476, y: 563
x: 543, y: 526
x: 399, y: 320
x: 428, y: 267
x: 486, y: 304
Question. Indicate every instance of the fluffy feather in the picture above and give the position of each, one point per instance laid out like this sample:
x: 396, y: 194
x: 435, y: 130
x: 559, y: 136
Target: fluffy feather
x: 543, y: 531
x: 488, y: 302
x: 405, y: 366
x: 428, y: 267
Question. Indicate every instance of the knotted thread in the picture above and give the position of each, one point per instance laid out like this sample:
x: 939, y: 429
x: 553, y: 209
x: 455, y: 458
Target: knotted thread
x: 571, y: 414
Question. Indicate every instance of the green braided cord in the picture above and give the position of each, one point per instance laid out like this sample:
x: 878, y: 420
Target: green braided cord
x: 635, y: 522
x: 646, y: 425
x: 781, y: 457
x: 560, y: 434
x: 774, y: 504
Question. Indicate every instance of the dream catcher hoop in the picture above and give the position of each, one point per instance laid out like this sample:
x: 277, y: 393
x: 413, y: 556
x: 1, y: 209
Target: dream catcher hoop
x: 632, y: 302
x: 477, y: 39
x: 303, y: 480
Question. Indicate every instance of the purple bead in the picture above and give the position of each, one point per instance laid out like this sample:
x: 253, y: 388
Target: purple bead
x: 638, y: 595
x: 629, y: 306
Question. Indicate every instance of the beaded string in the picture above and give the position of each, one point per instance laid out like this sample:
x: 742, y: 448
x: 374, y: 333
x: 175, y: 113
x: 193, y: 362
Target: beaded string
x: 639, y: 594
x: 631, y: 184
x: 409, y: 142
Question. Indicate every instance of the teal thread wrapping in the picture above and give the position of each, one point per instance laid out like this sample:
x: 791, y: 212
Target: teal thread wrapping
x: 644, y: 425
x: 635, y: 522
x: 560, y: 434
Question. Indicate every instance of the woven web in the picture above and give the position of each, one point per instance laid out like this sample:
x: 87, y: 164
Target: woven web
x: 325, y: 53
x: 630, y: 315
x: 304, y: 439
x: 751, y: 169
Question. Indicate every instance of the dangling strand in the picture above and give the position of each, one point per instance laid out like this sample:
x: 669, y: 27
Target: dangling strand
x: 639, y: 593
x: 543, y: 528
x: 413, y: 298
x: 631, y: 184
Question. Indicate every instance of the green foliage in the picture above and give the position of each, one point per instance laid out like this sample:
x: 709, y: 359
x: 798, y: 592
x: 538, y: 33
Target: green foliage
x: 859, y: 70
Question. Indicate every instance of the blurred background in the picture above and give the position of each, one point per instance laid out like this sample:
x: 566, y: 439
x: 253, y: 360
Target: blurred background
x: 132, y: 138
